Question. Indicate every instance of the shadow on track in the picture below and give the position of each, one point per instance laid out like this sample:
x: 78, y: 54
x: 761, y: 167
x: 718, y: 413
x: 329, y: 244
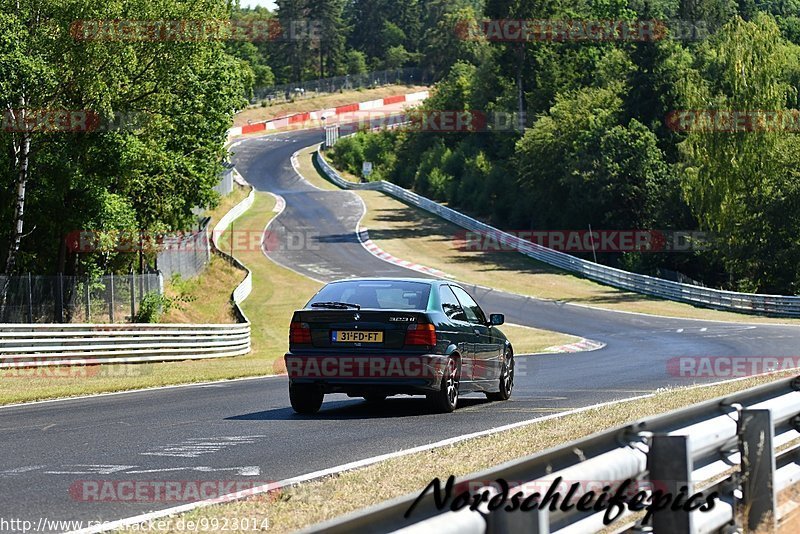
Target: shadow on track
x: 354, y: 409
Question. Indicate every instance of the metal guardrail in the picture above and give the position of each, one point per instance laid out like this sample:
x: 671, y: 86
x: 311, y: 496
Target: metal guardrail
x: 35, y: 345
x: 246, y: 287
x: 776, y: 305
x: 745, y: 447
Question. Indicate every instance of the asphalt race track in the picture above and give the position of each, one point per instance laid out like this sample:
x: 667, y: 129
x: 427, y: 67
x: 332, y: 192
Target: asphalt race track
x: 246, y: 431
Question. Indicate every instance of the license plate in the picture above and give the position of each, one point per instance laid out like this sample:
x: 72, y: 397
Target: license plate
x: 353, y: 336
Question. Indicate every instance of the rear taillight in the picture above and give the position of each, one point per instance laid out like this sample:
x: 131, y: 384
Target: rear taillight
x: 421, y: 334
x: 300, y: 333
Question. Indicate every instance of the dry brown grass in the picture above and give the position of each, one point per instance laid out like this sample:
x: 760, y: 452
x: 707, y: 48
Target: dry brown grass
x: 208, y: 296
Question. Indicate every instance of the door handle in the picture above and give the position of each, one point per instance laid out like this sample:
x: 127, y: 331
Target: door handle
x: 477, y: 331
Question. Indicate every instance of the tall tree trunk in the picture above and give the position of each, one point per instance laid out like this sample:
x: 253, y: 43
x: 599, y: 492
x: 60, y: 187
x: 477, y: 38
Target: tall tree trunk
x: 22, y: 149
x: 22, y: 162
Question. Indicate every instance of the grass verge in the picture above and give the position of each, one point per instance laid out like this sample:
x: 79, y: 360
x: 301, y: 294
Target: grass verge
x: 309, y: 503
x: 411, y: 233
x: 259, y: 114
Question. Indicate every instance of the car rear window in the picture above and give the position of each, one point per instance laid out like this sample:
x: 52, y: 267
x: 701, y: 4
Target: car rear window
x: 381, y: 295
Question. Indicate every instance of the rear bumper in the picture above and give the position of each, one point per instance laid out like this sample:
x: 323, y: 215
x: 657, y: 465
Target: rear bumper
x: 358, y: 374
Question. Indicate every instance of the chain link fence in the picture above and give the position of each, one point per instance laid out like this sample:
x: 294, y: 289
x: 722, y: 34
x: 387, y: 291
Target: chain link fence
x: 186, y: 255
x: 225, y: 185
x: 75, y: 299
x: 314, y: 88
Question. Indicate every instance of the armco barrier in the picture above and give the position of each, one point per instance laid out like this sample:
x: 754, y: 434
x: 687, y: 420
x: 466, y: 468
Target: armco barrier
x: 775, y: 305
x: 745, y: 447
x: 246, y: 287
x: 34, y: 345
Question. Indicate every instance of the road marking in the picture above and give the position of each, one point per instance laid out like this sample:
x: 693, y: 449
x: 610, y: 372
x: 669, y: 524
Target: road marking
x: 194, y: 447
x: 246, y: 471
x: 21, y: 470
x: 91, y: 469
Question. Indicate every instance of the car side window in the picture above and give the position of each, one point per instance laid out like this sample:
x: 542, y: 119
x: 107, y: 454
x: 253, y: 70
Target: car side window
x: 450, y: 305
x: 471, y: 308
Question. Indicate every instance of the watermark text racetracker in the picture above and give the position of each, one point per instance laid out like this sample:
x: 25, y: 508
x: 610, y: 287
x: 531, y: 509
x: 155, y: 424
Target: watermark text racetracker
x: 725, y: 367
x: 90, y: 241
x: 734, y: 121
x: 169, y: 491
x: 576, y: 30
x: 385, y: 367
x: 584, y: 241
x: 194, y: 30
x: 42, y: 368
x: 52, y: 121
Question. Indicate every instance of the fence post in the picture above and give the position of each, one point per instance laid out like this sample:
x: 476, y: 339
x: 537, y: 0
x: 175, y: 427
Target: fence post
x: 30, y: 299
x: 88, y: 301
x: 670, y: 465
x: 111, y: 300
x: 132, y: 286
x: 60, y: 298
x: 756, y: 435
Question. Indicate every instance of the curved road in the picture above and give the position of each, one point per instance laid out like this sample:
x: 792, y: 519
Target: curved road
x: 246, y: 431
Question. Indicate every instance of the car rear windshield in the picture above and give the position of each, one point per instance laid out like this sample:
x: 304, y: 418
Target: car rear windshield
x: 380, y: 295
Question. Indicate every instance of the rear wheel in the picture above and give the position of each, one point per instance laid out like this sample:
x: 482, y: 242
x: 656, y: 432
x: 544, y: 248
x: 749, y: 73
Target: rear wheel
x: 306, y: 399
x: 446, y: 399
x: 506, y: 380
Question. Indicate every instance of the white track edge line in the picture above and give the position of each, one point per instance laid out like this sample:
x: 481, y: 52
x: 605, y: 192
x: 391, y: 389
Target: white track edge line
x: 130, y: 391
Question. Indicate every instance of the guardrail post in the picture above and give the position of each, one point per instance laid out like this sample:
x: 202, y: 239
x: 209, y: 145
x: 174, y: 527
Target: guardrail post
x: 756, y: 435
x: 532, y: 522
x: 670, y: 465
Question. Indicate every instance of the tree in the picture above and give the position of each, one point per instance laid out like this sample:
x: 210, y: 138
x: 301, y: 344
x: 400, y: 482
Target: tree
x: 356, y: 62
x: 327, y: 14
x: 294, y: 47
x: 733, y: 179
x: 172, y: 100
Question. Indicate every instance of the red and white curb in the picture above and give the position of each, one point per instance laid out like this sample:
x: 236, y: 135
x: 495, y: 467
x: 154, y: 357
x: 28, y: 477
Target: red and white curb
x: 299, y: 118
x: 584, y: 345
x: 375, y: 250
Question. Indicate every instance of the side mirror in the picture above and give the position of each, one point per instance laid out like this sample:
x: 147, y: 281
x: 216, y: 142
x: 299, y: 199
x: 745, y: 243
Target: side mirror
x: 497, y: 319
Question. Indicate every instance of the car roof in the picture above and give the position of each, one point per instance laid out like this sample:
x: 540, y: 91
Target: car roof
x: 429, y: 281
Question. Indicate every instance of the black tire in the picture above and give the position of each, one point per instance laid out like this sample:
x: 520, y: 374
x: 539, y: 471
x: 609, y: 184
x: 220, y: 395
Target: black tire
x: 506, y: 384
x: 446, y: 399
x: 306, y: 399
x: 375, y: 398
